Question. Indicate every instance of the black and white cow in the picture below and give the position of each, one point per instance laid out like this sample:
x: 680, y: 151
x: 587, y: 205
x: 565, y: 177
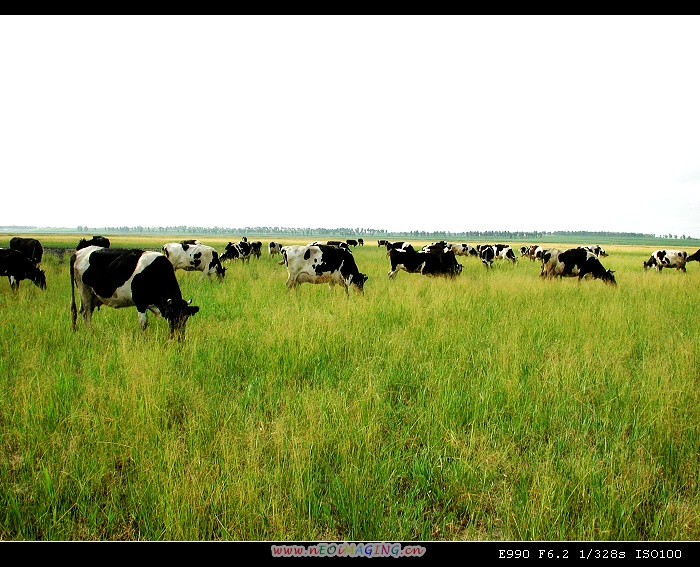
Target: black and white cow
x: 274, y: 248
x: 575, y: 262
x: 194, y: 257
x: 120, y: 277
x: 661, y: 259
x: 433, y: 263
x: 595, y: 249
x: 382, y: 242
x: 490, y: 252
x: 17, y: 267
x: 30, y: 247
x: 94, y: 241
x: 240, y: 250
x: 464, y: 250
x: 322, y: 264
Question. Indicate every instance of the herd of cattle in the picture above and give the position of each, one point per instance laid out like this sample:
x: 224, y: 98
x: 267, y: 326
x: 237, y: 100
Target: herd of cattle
x: 119, y: 277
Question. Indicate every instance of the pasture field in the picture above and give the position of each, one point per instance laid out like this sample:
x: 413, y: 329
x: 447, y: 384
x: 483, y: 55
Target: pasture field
x: 495, y: 406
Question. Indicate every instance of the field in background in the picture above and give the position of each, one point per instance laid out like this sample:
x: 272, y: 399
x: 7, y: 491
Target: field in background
x: 493, y: 406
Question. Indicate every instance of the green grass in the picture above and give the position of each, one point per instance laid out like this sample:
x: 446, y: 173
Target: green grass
x: 494, y: 406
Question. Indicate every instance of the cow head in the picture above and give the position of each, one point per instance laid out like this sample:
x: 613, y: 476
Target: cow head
x: 176, y: 312
x: 608, y: 277
x: 39, y: 278
x: 359, y: 282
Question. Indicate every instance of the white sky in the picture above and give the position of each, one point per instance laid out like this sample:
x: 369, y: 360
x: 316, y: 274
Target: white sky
x: 403, y: 123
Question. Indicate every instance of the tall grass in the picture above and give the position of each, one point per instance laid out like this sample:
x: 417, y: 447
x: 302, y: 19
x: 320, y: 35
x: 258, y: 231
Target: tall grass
x: 493, y: 406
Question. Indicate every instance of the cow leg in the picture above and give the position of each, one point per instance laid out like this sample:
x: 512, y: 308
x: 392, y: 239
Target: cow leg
x: 143, y: 319
x: 291, y: 284
x: 88, y: 302
x: 14, y: 283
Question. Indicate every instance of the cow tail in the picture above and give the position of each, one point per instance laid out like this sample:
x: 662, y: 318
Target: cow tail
x: 73, y: 310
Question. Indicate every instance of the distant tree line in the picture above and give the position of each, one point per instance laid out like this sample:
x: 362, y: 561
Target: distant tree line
x: 272, y: 231
x: 373, y: 232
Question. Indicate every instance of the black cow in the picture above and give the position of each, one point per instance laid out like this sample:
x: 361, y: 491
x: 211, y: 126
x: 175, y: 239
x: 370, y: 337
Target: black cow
x: 575, y: 262
x: 17, y: 267
x: 94, y: 241
x: 361, y: 241
x: 694, y: 257
x: 322, y: 264
x: 435, y: 263
x: 125, y: 278
x: 30, y: 247
x: 351, y: 242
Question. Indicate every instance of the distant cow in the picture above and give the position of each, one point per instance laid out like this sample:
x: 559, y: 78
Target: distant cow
x: 575, y: 262
x: 351, y: 242
x: 194, y: 257
x: 17, y: 267
x: 274, y: 248
x: 661, y: 259
x: 381, y: 243
x: 119, y: 277
x: 490, y: 252
x: 464, y: 250
x: 256, y: 249
x: 322, y: 264
x: 595, y: 249
x: 240, y: 250
x: 361, y: 241
x: 435, y: 263
x: 30, y: 247
x: 94, y: 241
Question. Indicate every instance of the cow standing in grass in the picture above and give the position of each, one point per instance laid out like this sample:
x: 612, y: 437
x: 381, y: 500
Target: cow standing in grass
x: 128, y: 278
x: 575, y: 262
x: 17, y: 267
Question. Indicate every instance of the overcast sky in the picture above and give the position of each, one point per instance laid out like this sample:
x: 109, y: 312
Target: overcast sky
x: 402, y: 123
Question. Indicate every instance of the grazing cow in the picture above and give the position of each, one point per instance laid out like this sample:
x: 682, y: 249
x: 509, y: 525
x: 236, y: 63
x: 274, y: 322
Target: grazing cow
x: 464, y: 250
x: 361, y: 241
x: 30, y: 247
x: 575, y: 262
x: 274, y: 248
x: 433, y: 263
x: 194, y: 257
x: 256, y: 249
x: 17, y: 267
x: 694, y: 257
x: 322, y: 264
x: 661, y: 259
x: 351, y: 242
x: 381, y: 243
x: 94, y: 241
x: 125, y: 278
x: 240, y: 250
x: 524, y: 251
x: 595, y: 249
x: 490, y: 252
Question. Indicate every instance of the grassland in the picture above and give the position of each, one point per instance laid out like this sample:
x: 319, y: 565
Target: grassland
x: 494, y: 406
